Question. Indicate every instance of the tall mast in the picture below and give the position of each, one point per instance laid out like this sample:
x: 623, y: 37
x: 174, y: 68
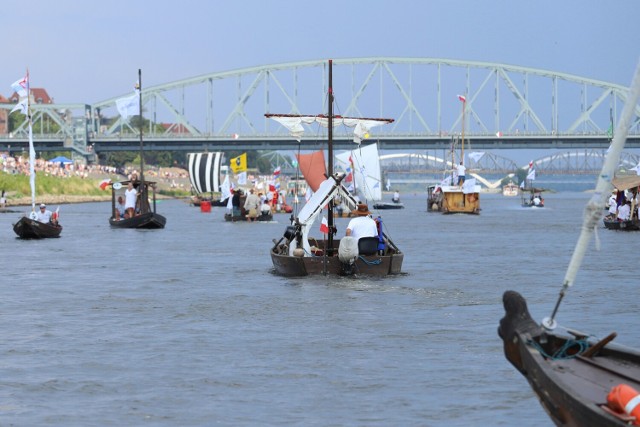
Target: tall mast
x: 140, y: 112
x: 464, y: 102
x: 330, y: 153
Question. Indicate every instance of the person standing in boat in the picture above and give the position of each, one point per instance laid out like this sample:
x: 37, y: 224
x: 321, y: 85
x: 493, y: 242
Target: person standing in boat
x: 362, y: 225
x: 252, y: 205
x: 235, y: 202
x: 613, y: 206
x: 130, y: 199
x: 461, y: 173
x: 44, y: 215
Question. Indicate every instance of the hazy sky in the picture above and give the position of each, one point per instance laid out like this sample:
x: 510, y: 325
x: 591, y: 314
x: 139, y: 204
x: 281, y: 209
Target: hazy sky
x: 85, y: 51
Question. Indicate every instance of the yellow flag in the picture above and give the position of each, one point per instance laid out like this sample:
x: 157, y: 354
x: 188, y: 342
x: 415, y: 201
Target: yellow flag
x: 239, y: 164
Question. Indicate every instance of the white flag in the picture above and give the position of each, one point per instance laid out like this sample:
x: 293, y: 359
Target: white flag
x: 129, y: 106
x: 20, y: 106
x: 522, y: 185
x: 21, y: 86
x: 469, y: 186
x: 475, y: 156
x: 532, y: 175
x: 242, y: 178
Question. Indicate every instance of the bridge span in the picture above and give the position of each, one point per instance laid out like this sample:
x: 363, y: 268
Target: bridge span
x: 507, y: 107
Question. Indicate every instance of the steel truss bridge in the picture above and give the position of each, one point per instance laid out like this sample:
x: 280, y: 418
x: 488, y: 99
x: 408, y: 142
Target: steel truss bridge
x: 507, y: 107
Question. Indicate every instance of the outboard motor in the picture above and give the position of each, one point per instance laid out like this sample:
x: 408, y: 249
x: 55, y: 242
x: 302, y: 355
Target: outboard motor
x: 347, y: 254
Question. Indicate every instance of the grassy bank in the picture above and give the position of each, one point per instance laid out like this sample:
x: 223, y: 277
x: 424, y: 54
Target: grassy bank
x: 50, y: 189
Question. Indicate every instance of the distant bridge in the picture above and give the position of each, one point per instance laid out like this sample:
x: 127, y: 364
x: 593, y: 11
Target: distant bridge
x: 507, y: 107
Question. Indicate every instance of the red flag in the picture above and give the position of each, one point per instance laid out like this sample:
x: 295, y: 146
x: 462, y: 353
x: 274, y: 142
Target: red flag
x: 462, y: 98
x: 324, y: 226
x: 104, y: 183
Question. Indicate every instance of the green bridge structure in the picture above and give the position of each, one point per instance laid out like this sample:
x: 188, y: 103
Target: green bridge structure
x: 507, y: 107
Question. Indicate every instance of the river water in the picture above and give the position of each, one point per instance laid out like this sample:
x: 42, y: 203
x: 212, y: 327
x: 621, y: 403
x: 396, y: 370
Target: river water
x: 188, y: 326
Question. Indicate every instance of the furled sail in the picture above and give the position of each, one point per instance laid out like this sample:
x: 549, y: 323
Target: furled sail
x: 204, y: 171
x: 361, y: 126
x: 313, y: 168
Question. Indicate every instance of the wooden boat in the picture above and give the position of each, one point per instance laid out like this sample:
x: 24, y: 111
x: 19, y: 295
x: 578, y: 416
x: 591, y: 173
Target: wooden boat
x: 145, y: 216
x: 27, y: 228
x: 532, y: 198
x: 387, y: 205
x: 298, y: 254
x: 571, y: 374
x: 577, y: 380
x: 625, y: 184
x: 616, y: 224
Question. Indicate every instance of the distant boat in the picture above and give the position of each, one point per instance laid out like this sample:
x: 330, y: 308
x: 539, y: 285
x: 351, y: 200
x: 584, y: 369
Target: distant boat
x: 622, y: 184
x: 296, y: 253
x: 510, y: 189
x: 532, y: 198
x: 29, y: 227
x: 578, y: 381
x: 145, y: 210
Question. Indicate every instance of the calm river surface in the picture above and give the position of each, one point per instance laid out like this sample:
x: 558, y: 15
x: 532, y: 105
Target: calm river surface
x: 187, y: 326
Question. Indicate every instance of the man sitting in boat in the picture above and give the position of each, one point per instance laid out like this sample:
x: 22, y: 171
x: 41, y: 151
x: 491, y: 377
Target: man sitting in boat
x: 44, y: 215
x: 396, y: 197
x: 624, y: 211
x: 537, y: 200
x: 362, y: 225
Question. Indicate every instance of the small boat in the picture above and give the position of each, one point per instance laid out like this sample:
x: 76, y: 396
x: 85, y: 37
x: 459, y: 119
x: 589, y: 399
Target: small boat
x: 388, y: 205
x: 235, y: 218
x: 27, y: 228
x: 532, y: 198
x: 579, y: 381
x: 297, y: 254
x: 626, y: 184
x: 447, y: 197
x: 145, y: 215
x: 510, y: 189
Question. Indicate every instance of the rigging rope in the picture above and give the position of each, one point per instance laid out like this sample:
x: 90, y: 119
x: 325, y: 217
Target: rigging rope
x: 562, y: 352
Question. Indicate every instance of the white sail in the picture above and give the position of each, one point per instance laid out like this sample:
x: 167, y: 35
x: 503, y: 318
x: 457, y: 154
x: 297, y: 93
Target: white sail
x: 365, y: 165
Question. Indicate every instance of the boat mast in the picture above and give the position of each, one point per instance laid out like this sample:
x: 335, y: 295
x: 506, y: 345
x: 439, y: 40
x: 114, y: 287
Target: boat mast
x: 144, y: 197
x: 464, y: 103
x: 330, y: 221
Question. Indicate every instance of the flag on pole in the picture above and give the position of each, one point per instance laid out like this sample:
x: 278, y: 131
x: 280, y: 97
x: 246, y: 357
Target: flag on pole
x: 21, y: 87
x: 239, y: 164
x: 530, y: 164
x: 531, y: 175
x: 242, y: 178
x: 324, y: 226
x: 522, y: 185
x: 462, y: 98
x: 476, y: 155
x: 130, y: 105
x: 276, y: 172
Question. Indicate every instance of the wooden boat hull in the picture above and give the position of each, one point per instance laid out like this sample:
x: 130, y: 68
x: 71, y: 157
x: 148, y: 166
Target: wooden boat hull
x: 367, y: 265
x: 458, y: 202
x: 394, y: 205
x: 27, y: 228
x: 149, y: 220
x: 572, y: 389
x: 236, y: 218
x: 614, y: 224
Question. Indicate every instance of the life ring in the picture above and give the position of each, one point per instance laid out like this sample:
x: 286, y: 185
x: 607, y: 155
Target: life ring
x: 625, y: 399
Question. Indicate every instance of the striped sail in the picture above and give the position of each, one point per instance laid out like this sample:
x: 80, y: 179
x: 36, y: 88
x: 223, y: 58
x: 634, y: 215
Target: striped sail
x: 204, y: 171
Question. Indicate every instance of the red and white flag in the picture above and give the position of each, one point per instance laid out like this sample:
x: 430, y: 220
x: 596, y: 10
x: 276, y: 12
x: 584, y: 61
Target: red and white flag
x: 324, y: 226
x: 462, y: 98
x: 276, y: 172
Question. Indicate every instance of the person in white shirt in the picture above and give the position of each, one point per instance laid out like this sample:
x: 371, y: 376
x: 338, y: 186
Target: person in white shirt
x: 130, y: 199
x: 44, y: 215
x: 362, y: 225
x: 461, y: 173
x: 613, y: 206
x: 624, y: 211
